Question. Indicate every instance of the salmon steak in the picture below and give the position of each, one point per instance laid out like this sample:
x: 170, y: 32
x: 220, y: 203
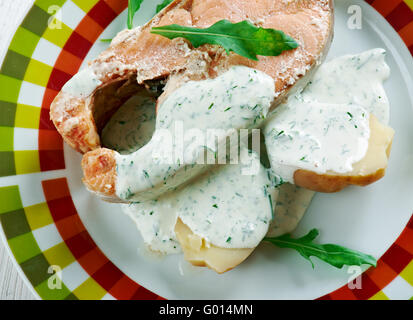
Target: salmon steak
x: 137, y: 60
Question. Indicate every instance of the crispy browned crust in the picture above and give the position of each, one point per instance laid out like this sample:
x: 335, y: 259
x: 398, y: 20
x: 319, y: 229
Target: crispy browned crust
x: 99, y: 171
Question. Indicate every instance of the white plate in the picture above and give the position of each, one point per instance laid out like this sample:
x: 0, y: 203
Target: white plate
x: 366, y: 219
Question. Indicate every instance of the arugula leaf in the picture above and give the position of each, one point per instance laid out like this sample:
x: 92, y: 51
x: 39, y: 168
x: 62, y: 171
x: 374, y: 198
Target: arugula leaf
x: 164, y: 4
x: 334, y: 255
x: 243, y: 38
x: 133, y: 7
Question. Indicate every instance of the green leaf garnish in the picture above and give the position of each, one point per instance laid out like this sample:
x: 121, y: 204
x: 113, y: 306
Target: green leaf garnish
x: 334, y: 255
x: 105, y: 40
x: 133, y: 7
x: 164, y: 4
x: 243, y: 38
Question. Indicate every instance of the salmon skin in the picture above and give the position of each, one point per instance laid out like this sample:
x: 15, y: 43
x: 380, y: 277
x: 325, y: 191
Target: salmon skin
x: 137, y: 58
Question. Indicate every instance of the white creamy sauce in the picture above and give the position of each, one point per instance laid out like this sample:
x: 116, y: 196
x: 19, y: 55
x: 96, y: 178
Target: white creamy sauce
x: 232, y: 210
x: 132, y: 126
x: 289, y: 209
x: 354, y: 79
x: 156, y: 220
x: 318, y: 137
x: 239, y: 98
x: 224, y: 207
x: 83, y: 83
x: 326, y: 127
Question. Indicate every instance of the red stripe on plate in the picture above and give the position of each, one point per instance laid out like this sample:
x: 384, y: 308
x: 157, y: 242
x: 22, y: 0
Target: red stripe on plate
x: 93, y: 261
x: 84, y: 249
x: 384, y: 7
x: 48, y: 98
x: 62, y: 208
x: 144, y: 294
x: 89, y: 29
x: 102, y: 14
x: 108, y: 276
x: 45, y: 122
x: 344, y: 293
x: 410, y: 224
x: 117, y: 5
x: 70, y: 226
x: 78, y: 45
x: 58, y: 79
x: 55, y: 189
x: 400, y: 16
x: 80, y: 244
x: 50, y: 140
x: 388, y: 267
x: 368, y: 288
x: 68, y: 62
x: 382, y: 275
x: 124, y: 289
x: 397, y: 258
x: 52, y: 160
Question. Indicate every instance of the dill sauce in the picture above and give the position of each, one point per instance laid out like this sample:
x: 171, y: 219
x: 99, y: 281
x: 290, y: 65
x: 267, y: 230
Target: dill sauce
x: 156, y: 218
x: 326, y: 127
x: 223, y: 206
x: 239, y: 98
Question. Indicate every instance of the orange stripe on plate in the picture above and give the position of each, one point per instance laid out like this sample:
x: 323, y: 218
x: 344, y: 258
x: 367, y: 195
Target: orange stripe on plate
x: 70, y: 226
x: 124, y: 289
x: 50, y: 140
x: 89, y: 29
x: 55, y: 189
x: 117, y: 5
x: 385, y: 6
x: 68, y: 62
x: 406, y: 240
x: 406, y: 33
x: 382, y: 275
x: 93, y: 261
x: 344, y: 293
x: 48, y: 98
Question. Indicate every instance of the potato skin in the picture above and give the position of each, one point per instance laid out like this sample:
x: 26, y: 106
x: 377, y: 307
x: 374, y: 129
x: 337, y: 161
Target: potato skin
x: 333, y: 183
x: 368, y: 170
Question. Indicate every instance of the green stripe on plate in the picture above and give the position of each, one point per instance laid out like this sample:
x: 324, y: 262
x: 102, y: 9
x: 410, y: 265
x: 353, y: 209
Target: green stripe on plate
x: 8, y: 113
x: 36, y: 269
x: 10, y: 199
x: 15, y: 65
x: 7, y: 166
x: 24, y: 42
x: 36, y: 20
x: 6, y: 139
x: 48, y: 5
x: 46, y: 293
x: 24, y: 247
x: 14, y: 223
x: 10, y: 88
